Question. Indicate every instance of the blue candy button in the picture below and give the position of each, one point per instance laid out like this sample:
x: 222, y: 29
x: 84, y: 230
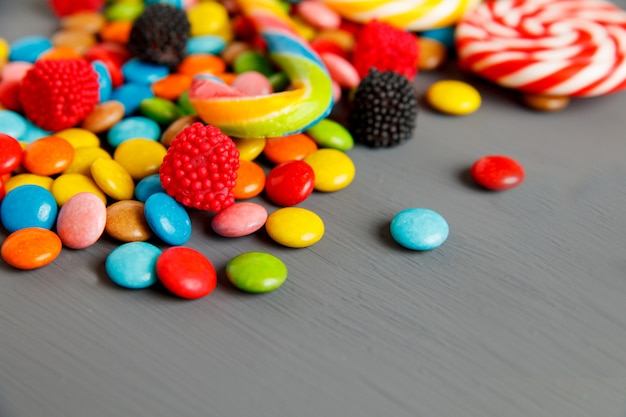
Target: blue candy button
x: 133, y: 265
x: 104, y: 79
x: 29, y: 48
x: 12, y: 123
x: 143, y: 72
x: 147, y: 186
x: 419, y: 229
x: 132, y: 128
x: 168, y: 219
x: 28, y: 206
x: 206, y: 44
x: 131, y: 95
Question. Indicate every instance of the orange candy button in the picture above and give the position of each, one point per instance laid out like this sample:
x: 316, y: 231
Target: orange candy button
x: 31, y: 248
x: 117, y: 31
x: 172, y: 86
x: 289, y: 148
x: 48, y: 156
x: 250, y: 180
x: 196, y: 63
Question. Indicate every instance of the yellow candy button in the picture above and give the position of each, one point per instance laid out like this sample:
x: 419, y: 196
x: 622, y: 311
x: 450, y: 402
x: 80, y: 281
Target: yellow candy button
x: 333, y: 169
x: 218, y: 24
x: 4, y: 50
x: 249, y: 149
x: 79, y: 138
x: 113, y: 179
x: 83, y: 158
x: 140, y: 157
x: 453, y: 97
x: 294, y: 227
x: 67, y: 185
x: 28, y: 179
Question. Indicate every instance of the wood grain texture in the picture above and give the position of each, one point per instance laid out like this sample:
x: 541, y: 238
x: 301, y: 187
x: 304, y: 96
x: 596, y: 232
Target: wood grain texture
x: 522, y: 312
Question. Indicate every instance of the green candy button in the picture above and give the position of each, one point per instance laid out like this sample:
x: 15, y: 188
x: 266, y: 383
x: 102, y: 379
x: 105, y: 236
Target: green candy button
x: 330, y: 134
x: 256, y: 272
x: 160, y: 110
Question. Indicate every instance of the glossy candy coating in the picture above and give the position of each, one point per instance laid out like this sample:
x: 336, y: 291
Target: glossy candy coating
x: 133, y: 265
x: 113, y: 179
x: 256, y: 272
x: 67, y: 185
x: 30, y: 248
x: 295, y: 227
x: 48, y: 156
x: 126, y: 221
x: 453, y: 97
x: 290, y: 183
x: 10, y: 153
x: 288, y: 148
x: 84, y: 158
x: 140, y: 157
x: 250, y: 180
x: 168, y: 219
x: 28, y: 206
x: 330, y: 134
x: 12, y: 123
x: 334, y: 170
x: 497, y: 172
x: 419, y: 229
x: 249, y: 149
x: 132, y: 128
x: 147, y: 186
x: 186, y: 272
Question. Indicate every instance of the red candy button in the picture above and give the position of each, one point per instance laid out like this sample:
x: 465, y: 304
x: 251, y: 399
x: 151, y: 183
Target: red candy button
x: 290, y: 183
x: 498, y: 173
x: 10, y: 153
x: 186, y: 272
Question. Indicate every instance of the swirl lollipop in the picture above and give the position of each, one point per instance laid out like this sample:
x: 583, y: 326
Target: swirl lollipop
x: 411, y: 15
x: 308, y: 101
x: 568, y: 48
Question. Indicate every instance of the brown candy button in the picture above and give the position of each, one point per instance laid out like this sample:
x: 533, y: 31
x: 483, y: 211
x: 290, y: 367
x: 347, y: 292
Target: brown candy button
x: 75, y: 39
x: 88, y: 22
x: 432, y: 54
x: 104, y: 116
x: 230, y: 53
x: 545, y: 103
x: 176, y: 126
x: 126, y: 221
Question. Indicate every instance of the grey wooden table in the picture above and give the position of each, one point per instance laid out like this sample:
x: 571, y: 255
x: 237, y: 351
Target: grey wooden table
x: 522, y: 312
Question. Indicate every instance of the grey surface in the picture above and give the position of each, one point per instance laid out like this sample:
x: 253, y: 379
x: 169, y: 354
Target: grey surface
x: 522, y: 312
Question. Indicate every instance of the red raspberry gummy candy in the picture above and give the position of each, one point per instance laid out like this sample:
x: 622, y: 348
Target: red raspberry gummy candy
x: 386, y: 48
x: 57, y: 94
x: 200, y: 168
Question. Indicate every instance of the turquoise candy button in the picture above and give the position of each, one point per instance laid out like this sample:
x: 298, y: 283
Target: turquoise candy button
x: 176, y: 3
x: 147, y: 186
x: 256, y: 272
x: 133, y: 265
x: 444, y: 35
x: 29, y: 48
x: 132, y: 128
x: 131, y: 95
x: 104, y: 79
x: 419, y: 229
x: 33, y: 132
x: 206, y: 44
x: 12, y: 123
x: 168, y: 219
x: 330, y: 134
x: 143, y: 72
x: 28, y: 206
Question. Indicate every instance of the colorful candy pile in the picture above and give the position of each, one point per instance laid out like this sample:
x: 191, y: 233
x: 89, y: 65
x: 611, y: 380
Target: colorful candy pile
x: 134, y: 113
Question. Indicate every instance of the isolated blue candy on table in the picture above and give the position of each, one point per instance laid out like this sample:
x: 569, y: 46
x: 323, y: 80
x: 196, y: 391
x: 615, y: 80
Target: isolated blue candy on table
x: 168, y: 219
x: 133, y: 265
x: 419, y: 229
x: 28, y: 206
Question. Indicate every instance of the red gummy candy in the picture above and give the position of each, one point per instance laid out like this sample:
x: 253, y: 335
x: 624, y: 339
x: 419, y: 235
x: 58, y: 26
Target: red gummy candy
x: 57, y: 94
x: 200, y: 168
x: 381, y: 46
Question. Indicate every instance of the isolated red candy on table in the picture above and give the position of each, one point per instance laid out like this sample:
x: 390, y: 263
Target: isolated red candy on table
x: 497, y: 172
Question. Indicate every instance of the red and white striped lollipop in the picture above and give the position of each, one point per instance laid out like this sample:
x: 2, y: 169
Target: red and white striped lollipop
x: 570, y: 48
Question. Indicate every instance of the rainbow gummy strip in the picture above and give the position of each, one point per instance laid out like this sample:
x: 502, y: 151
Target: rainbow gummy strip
x: 309, y: 99
x: 413, y: 15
